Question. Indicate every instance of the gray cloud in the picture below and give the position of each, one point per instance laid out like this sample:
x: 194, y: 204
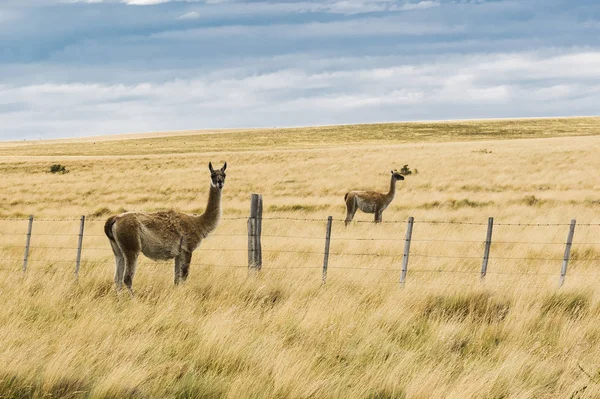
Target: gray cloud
x: 111, y: 67
x: 483, y: 86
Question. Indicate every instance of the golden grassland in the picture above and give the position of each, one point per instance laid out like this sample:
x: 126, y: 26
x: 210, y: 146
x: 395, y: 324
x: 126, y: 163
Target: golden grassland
x: 281, y: 333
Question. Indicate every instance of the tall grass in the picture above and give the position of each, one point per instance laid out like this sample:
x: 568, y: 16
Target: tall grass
x: 284, y: 335
x: 281, y: 333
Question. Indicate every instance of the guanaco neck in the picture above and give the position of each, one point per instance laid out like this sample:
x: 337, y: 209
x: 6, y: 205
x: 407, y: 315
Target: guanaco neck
x: 208, y: 221
x: 390, y: 195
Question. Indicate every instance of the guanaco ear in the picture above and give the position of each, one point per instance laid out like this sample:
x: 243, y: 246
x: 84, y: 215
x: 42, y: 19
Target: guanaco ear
x: 224, y: 167
x: 392, y: 171
x: 210, y: 167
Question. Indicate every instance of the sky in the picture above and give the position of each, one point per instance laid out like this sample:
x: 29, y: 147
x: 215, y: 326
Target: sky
x: 71, y: 68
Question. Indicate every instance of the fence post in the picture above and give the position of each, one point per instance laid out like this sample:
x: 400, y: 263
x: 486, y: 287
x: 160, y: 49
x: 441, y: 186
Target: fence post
x: 486, y: 252
x: 326, y: 254
x: 251, y: 242
x: 79, y: 246
x: 409, y: 229
x: 28, y: 241
x: 254, y: 232
x: 563, y: 270
x: 259, y: 213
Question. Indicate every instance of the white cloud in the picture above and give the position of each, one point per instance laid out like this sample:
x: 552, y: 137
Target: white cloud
x: 367, y: 26
x: 190, y: 15
x: 145, y: 2
x: 82, y: 1
x: 366, y: 6
x: 347, y: 7
x: 494, y: 85
x: 422, y: 5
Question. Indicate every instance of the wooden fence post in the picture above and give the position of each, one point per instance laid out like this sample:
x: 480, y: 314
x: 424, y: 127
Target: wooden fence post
x: 27, y: 242
x: 79, y: 246
x: 563, y: 270
x: 327, y: 243
x: 409, y: 229
x: 254, y: 232
x: 486, y: 252
x: 251, y: 242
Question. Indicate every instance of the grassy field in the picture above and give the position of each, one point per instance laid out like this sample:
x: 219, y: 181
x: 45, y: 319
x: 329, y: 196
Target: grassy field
x: 282, y: 334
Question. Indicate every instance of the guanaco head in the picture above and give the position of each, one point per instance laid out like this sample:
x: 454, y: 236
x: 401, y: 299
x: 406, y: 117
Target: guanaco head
x: 397, y: 175
x: 217, y: 177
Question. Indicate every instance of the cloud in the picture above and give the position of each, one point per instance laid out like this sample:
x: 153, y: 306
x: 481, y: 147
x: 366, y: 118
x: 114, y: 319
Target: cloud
x: 347, y: 7
x: 190, y: 15
x: 145, y: 2
x: 366, y: 26
x: 493, y: 85
x: 111, y: 67
x: 422, y: 5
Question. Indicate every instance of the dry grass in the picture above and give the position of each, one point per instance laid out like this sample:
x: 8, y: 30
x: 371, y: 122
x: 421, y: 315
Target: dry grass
x: 308, y: 137
x: 281, y: 333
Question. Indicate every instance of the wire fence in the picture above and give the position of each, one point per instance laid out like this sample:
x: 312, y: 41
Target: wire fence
x: 395, y: 251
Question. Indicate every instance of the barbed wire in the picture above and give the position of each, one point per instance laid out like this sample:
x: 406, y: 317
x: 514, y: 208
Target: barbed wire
x: 315, y: 268
x: 296, y: 237
x: 532, y: 224
x: 444, y: 240
x: 364, y: 239
x: 322, y: 219
x: 33, y: 248
x: 444, y: 256
x: 341, y: 254
x: 224, y: 266
x: 448, y: 222
x: 291, y: 251
x: 443, y: 271
x: 475, y: 273
x: 370, y: 221
x: 193, y: 214
x: 521, y: 273
x: 529, y: 258
x: 38, y: 260
x: 583, y: 275
x: 33, y: 233
x: 529, y: 242
x: 362, y: 268
x: 375, y: 255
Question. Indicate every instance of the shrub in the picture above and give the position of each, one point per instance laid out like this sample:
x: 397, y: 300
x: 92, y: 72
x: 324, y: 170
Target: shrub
x: 405, y: 170
x: 58, y: 168
x: 531, y: 200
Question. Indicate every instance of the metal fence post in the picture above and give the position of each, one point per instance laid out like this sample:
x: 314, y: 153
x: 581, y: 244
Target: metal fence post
x: 409, y: 229
x: 27, y: 243
x: 486, y: 252
x: 327, y: 243
x: 251, y: 243
x: 79, y: 246
x: 254, y: 232
x: 563, y: 270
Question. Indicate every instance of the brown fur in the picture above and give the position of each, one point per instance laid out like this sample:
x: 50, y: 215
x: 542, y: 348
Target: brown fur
x: 162, y: 235
x: 370, y: 201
